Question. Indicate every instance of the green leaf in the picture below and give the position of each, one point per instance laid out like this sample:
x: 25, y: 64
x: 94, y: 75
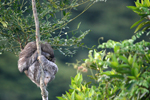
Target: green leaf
x: 130, y: 85
x: 64, y: 13
x: 131, y: 77
x: 135, y: 72
x: 54, y: 5
x: 117, y: 76
x: 141, y: 1
x: 91, y: 92
x: 134, y: 58
x: 124, y: 66
x: 72, y: 95
x: 147, y: 2
x: 138, y: 1
x: 78, y: 25
x: 144, y: 29
x: 141, y: 25
x: 68, y: 95
x: 107, y: 73
x: 78, y: 97
x: 114, y: 58
x: 132, y: 7
x: 130, y: 60
x: 60, y: 98
x: 123, y: 70
x: 136, y: 23
x: 124, y: 59
x: 78, y: 79
x: 116, y: 49
x: 135, y: 65
x: 4, y: 23
x: 114, y: 64
x: 138, y: 4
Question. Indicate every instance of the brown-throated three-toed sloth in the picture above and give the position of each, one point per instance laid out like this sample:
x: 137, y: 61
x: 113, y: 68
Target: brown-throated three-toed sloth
x: 29, y: 64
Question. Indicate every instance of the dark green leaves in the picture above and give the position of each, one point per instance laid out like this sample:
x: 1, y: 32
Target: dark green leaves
x: 136, y: 23
x: 142, y: 9
x: 17, y: 24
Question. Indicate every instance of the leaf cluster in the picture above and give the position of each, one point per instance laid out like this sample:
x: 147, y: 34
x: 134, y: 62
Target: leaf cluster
x: 121, y: 70
x: 17, y: 26
x: 121, y: 73
x: 142, y: 9
x: 80, y: 91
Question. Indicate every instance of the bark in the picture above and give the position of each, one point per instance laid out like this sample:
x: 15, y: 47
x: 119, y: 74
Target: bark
x: 44, y: 92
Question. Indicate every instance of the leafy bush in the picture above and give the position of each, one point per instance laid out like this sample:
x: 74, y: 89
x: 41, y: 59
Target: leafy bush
x: 121, y: 69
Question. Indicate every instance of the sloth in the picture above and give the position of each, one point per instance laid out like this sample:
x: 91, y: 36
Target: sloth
x: 29, y: 64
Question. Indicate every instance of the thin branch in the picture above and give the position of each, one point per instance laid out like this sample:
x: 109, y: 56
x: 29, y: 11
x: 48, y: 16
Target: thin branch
x: 72, y: 18
x: 44, y: 92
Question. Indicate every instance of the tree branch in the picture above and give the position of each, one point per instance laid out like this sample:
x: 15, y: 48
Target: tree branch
x: 44, y: 92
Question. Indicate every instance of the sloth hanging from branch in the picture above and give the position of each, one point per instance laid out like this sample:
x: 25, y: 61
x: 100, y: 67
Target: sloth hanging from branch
x: 37, y: 60
x: 29, y: 64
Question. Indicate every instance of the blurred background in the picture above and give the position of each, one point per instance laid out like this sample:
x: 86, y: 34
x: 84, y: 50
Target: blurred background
x: 110, y: 20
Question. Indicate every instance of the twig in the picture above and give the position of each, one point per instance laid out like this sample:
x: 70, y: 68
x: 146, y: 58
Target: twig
x: 44, y: 92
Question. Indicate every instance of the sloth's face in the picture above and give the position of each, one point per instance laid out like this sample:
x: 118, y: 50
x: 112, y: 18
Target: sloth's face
x: 47, y: 78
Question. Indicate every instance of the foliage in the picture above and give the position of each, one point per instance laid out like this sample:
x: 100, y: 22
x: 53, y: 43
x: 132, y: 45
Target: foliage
x: 142, y: 9
x: 121, y: 69
x: 80, y: 91
x: 17, y: 26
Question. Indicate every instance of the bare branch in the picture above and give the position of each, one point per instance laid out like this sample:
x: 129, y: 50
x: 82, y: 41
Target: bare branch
x: 44, y: 92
